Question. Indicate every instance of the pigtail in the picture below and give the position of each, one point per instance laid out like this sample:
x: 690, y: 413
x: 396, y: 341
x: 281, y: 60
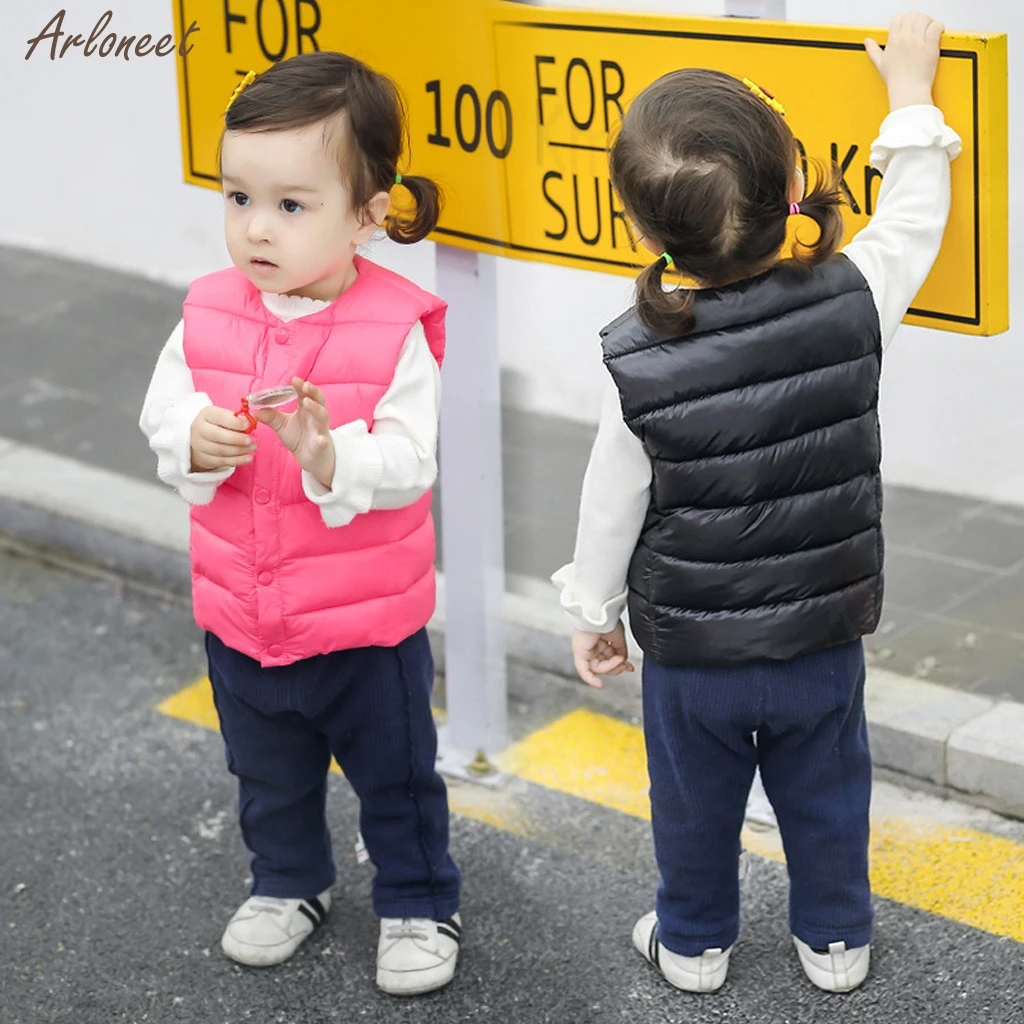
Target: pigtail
x: 667, y: 313
x: 824, y: 206
x: 408, y: 226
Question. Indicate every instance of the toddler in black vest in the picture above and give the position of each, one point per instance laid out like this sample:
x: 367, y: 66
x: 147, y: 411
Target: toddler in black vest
x: 734, y: 499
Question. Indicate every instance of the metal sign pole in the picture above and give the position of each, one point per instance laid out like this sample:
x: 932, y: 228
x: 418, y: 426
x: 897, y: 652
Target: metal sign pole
x: 472, y: 519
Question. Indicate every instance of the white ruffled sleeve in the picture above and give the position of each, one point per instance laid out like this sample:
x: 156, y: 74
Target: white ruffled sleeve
x: 613, y: 506
x: 897, y: 249
x: 170, y: 407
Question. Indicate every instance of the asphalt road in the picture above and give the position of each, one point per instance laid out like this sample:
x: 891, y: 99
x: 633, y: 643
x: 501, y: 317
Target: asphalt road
x: 120, y: 862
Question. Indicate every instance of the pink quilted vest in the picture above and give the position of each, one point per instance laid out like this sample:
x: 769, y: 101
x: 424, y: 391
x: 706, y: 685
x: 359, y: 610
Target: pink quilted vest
x: 268, y: 577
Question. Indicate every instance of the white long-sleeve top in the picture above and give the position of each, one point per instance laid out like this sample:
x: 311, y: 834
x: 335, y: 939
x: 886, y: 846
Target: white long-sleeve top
x: 895, y: 253
x: 389, y: 466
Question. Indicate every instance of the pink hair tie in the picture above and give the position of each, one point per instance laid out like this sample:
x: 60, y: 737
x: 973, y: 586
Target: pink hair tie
x: 794, y: 209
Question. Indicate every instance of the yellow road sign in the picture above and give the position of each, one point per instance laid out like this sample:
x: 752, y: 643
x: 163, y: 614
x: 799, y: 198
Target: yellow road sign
x: 511, y: 108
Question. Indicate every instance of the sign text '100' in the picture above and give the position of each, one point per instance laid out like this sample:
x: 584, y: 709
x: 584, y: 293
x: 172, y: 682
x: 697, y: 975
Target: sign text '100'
x: 472, y: 119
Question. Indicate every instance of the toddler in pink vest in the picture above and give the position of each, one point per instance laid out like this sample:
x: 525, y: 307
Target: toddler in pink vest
x: 312, y: 544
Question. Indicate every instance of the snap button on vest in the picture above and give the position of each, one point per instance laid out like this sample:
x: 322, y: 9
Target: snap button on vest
x: 265, y: 579
x: 275, y: 650
x: 281, y: 336
x: 262, y: 496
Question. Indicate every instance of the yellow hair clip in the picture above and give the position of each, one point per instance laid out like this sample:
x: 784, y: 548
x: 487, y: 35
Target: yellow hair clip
x: 766, y: 96
x: 248, y: 80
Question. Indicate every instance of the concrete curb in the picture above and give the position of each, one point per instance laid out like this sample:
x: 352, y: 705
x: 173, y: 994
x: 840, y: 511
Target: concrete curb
x: 961, y: 742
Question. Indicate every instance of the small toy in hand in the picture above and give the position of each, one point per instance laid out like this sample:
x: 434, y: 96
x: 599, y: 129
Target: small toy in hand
x: 271, y: 398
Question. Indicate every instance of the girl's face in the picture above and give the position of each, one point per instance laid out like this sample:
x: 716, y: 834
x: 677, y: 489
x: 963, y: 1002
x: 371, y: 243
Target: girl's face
x: 288, y: 217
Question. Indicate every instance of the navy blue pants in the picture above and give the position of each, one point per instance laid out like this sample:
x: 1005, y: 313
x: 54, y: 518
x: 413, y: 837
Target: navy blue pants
x: 370, y: 708
x: 812, y: 748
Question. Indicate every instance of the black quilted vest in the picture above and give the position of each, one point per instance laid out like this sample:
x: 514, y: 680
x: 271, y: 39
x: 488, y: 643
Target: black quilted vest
x: 763, y: 538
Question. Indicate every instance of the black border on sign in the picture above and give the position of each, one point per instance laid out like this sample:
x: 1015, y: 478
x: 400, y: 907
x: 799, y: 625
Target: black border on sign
x: 662, y: 33
x: 188, y: 104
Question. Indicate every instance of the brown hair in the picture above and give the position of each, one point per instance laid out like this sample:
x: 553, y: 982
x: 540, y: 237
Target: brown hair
x: 705, y: 167
x: 322, y: 85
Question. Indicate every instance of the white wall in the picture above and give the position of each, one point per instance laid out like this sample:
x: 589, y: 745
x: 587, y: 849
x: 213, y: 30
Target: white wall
x: 92, y: 170
x: 92, y: 165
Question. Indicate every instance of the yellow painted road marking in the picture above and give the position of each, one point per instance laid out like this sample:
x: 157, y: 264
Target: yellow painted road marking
x: 587, y: 755
x: 193, y: 704
x: 963, y: 874
x: 969, y: 876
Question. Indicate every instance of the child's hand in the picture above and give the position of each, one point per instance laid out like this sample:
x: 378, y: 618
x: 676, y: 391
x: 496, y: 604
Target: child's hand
x: 909, y: 61
x: 305, y: 432
x: 597, y: 654
x: 218, y: 441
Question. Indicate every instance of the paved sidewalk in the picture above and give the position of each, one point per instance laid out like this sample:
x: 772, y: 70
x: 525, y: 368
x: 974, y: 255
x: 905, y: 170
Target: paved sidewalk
x: 121, y: 861
x: 79, y: 344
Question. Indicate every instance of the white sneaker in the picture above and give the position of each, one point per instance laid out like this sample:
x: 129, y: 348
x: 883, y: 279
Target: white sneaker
x: 417, y: 955
x: 704, y: 973
x: 267, y: 930
x: 838, y: 970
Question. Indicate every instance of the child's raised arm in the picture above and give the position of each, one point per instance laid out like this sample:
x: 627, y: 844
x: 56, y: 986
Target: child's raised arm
x: 897, y: 250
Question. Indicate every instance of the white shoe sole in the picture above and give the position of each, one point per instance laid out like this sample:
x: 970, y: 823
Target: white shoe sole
x: 705, y: 973
x: 268, y: 954
x: 261, y: 956
x: 840, y: 972
x: 416, y: 983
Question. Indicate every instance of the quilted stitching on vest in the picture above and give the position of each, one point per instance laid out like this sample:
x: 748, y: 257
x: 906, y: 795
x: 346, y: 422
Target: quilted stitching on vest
x: 763, y: 536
